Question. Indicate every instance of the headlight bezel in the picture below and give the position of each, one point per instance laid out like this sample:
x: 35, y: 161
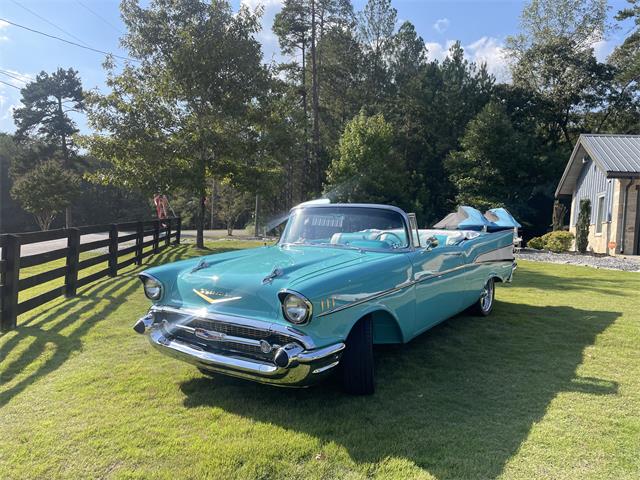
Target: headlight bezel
x: 147, y: 279
x: 286, y: 294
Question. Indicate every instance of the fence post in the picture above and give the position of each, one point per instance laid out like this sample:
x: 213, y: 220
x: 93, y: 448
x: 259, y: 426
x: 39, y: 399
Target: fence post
x: 178, y: 230
x: 167, y: 238
x: 156, y: 235
x: 73, y: 257
x: 113, y: 250
x: 11, y: 255
x: 139, y: 241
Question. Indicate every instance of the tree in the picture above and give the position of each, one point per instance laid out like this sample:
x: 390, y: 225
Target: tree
x: 302, y: 25
x: 582, y: 225
x: 376, y: 24
x: 231, y: 203
x: 47, y: 101
x: 202, y: 64
x: 493, y: 168
x: 366, y: 169
x: 46, y: 191
x: 553, y: 57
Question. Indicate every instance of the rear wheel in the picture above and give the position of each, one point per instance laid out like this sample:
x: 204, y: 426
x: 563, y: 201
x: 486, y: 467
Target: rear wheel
x: 357, y: 360
x: 484, y: 305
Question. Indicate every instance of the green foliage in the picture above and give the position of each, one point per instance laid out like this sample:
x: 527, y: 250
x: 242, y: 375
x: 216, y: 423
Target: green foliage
x: 536, y: 242
x: 47, y: 101
x: 366, y: 169
x: 46, y: 191
x: 582, y: 225
x: 492, y: 161
x: 557, y: 241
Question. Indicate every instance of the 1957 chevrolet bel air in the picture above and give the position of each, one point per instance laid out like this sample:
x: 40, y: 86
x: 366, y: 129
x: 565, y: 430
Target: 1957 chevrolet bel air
x: 342, y: 278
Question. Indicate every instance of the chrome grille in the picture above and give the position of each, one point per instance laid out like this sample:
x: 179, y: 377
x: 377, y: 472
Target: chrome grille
x: 221, y: 346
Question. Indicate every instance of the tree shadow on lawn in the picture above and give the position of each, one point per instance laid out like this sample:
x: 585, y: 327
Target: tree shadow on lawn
x: 593, y: 280
x: 51, y: 344
x: 457, y: 401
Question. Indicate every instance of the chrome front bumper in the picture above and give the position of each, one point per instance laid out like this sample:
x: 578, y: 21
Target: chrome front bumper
x: 298, y: 363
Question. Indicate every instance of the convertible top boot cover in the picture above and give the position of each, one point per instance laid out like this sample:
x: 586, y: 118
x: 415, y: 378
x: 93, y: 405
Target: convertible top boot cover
x: 468, y: 218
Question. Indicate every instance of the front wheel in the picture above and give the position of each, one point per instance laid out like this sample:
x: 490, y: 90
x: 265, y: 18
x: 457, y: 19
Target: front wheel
x: 484, y: 305
x: 357, y: 360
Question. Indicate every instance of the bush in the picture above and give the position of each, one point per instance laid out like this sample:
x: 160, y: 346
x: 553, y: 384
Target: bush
x: 558, y: 241
x: 536, y: 242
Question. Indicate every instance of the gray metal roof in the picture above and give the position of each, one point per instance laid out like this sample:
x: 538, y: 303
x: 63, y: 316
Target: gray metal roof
x: 613, y: 153
x: 618, y: 156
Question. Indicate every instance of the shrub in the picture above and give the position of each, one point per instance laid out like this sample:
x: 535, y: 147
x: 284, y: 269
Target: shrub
x: 582, y: 225
x: 558, y: 241
x: 536, y: 242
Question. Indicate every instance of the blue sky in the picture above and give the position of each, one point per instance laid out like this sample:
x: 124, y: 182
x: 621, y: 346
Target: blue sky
x: 481, y: 26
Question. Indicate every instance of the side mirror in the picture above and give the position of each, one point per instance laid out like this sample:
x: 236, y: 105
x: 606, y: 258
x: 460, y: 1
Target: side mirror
x: 431, y: 243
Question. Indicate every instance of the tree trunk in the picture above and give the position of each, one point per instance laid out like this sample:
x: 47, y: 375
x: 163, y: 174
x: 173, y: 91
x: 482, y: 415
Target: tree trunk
x: 200, y: 221
x: 315, y: 101
x: 65, y: 156
x: 307, y: 166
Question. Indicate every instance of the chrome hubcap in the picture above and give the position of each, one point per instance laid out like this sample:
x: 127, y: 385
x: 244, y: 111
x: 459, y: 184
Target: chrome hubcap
x: 487, y: 296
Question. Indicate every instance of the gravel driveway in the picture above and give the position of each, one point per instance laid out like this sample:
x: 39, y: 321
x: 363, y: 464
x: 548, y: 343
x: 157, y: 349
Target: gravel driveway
x: 610, y: 263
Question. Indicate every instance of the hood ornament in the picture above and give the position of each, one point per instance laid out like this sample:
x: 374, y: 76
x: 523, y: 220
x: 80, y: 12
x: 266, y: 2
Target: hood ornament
x: 201, y: 264
x: 276, y: 272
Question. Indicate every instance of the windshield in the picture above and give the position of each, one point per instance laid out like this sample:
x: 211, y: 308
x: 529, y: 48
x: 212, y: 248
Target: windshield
x: 358, y: 227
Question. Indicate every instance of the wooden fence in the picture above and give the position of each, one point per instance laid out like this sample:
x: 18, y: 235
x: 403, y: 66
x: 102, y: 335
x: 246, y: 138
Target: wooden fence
x: 161, y: 232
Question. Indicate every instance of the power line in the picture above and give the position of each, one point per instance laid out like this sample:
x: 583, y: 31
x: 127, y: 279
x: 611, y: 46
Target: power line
x: 12, y: 76
x: 50, y: 23
x: 100, y: 17
x: 68, y: 41
x: 10, y: 85
x: 26, y: 78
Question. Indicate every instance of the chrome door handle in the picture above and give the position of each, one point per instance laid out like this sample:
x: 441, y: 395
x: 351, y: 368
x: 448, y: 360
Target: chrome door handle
x: 453, y: 254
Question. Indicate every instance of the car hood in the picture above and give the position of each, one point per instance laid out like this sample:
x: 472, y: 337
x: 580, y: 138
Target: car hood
x: 247, y: 282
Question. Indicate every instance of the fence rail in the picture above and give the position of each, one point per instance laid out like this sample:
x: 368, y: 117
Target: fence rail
x: 160, y: 234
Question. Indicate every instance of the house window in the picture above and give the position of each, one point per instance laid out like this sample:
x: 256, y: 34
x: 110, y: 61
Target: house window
x: 599, y: 213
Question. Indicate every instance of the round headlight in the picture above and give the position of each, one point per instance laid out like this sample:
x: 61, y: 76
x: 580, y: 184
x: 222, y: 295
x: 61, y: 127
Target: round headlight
x: 296, y: 308
x: 152, y: 288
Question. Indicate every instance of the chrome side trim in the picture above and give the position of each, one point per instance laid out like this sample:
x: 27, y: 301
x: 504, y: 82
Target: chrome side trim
x: 419, y: 278
x: 273, y: 327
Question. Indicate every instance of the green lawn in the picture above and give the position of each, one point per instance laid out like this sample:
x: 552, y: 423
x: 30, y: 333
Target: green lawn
x: 547, y: 387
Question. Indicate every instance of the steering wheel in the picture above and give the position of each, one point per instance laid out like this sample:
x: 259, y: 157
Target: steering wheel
x: 377, y: 237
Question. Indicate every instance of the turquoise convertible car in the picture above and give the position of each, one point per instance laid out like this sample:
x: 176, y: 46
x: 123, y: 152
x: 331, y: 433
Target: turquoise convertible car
x: 342, y: 278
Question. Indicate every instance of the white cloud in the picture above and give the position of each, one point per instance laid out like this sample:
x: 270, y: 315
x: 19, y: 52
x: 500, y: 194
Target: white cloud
x: 266, y: 37
x: 265, y: 3
x: 3, y: 24
x: 441, y: 25
x: 487, y: 50
x: 602, y: 49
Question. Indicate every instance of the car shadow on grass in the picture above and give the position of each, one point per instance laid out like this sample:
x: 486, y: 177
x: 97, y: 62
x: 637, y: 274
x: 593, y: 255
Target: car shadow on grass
x: 46, y: 338
x: 457, y: 401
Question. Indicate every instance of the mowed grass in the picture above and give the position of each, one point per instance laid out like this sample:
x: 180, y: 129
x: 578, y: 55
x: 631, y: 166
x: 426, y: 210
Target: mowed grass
x: 546, y: 387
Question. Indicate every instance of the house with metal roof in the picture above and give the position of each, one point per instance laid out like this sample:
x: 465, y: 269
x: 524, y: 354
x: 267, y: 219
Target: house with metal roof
x: 605, y: 169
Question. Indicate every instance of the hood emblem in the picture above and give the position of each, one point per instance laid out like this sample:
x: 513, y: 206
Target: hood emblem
x: 276, y: 272
x: 207, y: 294
x: 209, y: 335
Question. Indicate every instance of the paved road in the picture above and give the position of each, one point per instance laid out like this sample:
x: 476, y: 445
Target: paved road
x: 41, y: 247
